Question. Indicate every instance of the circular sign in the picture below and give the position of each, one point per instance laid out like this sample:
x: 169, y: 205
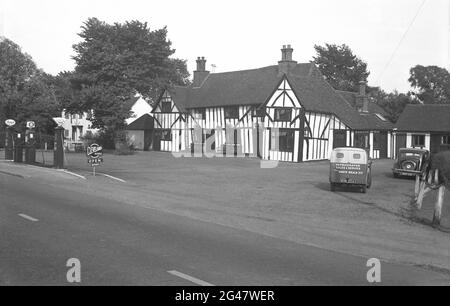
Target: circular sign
x: 95, y: 151
x: 31, y: 124
x: 10, y: 122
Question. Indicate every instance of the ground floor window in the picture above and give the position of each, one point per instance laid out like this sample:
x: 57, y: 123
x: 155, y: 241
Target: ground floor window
x: 445, y: 140
x: 418, y: 140
x: 361, y: 140
x: 285, y: 140
x: 166, y: 135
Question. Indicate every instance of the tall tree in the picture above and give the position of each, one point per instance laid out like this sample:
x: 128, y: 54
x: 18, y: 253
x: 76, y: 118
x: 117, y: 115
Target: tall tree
x: 114, y: 62
x: 432, y: 84
x: 16, y: 69
x: 393, y: 103
x: 38, y: 102
x: 342, y: 69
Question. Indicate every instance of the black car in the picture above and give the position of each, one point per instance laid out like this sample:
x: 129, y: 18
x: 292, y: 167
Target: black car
x: 410, y: 162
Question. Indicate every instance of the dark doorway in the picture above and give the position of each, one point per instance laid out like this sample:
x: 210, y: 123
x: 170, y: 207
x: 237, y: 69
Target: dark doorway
x: 400, y: 142
x: 339, y: 138
x: 157, y: 140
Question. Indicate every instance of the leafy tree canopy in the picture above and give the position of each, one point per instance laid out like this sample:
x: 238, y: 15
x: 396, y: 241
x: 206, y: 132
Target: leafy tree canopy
x: 342, y: 69
x: 393, y: 103
x: 26, y: 93
x: 16, y: 68
x: 113, y: 63
x: 432, y: 84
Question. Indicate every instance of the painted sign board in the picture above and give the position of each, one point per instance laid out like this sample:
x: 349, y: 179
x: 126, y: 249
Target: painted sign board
x: 95, y: 155
x: 10, y: 122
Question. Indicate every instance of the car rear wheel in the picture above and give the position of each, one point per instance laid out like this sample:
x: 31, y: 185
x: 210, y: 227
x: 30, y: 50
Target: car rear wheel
x: 396, y: 175
x: 364, y: 189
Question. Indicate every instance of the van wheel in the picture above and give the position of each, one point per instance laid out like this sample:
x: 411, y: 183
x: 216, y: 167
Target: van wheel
x: 332, y: 187
x: 364, y: 189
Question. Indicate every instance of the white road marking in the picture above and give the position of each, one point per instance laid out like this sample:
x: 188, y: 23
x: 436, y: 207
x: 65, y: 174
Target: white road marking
x: 112, y: 177
x: 28, y: 218
x: 190, y: 278
x: 74, y: 174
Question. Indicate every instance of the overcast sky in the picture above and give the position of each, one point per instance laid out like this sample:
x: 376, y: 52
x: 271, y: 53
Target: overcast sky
x: 245, y: 34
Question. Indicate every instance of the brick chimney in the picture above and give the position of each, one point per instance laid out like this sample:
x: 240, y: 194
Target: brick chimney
x: 286, y: 62
x: 200, y: 74
x: 362, y: 101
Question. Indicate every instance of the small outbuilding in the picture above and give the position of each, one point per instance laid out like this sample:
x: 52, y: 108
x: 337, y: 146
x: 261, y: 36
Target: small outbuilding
x: 424, y: 126
x: 140, y: 132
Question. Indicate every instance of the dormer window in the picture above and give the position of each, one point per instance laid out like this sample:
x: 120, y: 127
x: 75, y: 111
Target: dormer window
x: 381, y: 117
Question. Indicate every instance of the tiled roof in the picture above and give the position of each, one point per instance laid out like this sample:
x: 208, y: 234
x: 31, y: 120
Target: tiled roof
x: 374, y: 108
x: 254, y: 87
x: 372, y: 120
x: 145, y: 122
x: 425, y: 118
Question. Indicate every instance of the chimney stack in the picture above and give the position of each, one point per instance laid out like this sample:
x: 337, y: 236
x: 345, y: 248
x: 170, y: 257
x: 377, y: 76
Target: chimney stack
x: 363, y: 100
x: 200, y: 74
x: 286, y: 62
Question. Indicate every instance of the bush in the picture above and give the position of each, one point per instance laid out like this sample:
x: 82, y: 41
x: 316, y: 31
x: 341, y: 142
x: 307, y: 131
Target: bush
x: 103, y: 138
x: 123, y: 144
x: 441, y: 161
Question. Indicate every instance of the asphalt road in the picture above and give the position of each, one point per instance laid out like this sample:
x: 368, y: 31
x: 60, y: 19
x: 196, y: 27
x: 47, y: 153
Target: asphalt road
x: 42, y: 226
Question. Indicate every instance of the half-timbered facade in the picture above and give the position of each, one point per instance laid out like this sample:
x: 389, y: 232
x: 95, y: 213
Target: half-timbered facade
x: 285, y: 112
x: 170, y: 133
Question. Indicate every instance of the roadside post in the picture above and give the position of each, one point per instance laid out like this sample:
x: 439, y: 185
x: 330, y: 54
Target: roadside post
x: 9, y: 141
x: 58, y: 153
x: 18, y: 148
x: 30, y: 150
x: 95, y: 156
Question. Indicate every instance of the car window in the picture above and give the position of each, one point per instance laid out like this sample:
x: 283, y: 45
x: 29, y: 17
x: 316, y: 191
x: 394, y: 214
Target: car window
x: 340, y: 155
x: 410, y: 154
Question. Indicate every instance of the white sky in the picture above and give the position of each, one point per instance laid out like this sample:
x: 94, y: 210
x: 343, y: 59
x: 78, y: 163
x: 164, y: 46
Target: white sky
x: 245, y: 34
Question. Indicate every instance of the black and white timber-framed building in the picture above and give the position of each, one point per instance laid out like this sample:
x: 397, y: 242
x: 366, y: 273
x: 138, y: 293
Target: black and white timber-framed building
x: 285, y: 112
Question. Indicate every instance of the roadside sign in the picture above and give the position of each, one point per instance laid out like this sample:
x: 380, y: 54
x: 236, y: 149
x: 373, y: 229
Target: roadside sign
x: 95, y: 151
x: 95, y: 155
x: 10, y: 122
x: 59, y: 121
x: 31, y: 124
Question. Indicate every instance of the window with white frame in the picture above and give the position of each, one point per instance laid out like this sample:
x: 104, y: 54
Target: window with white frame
x: 418, y: 140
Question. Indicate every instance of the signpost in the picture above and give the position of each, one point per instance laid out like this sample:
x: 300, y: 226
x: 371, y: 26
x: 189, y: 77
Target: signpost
x: 95, y: 156
x: 9, y: 139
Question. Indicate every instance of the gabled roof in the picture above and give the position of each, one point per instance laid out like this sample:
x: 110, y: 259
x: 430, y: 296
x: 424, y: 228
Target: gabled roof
x: 425, y: 118
x: 128, y: 104
x: 145, y: 122
x: 254, y: 87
